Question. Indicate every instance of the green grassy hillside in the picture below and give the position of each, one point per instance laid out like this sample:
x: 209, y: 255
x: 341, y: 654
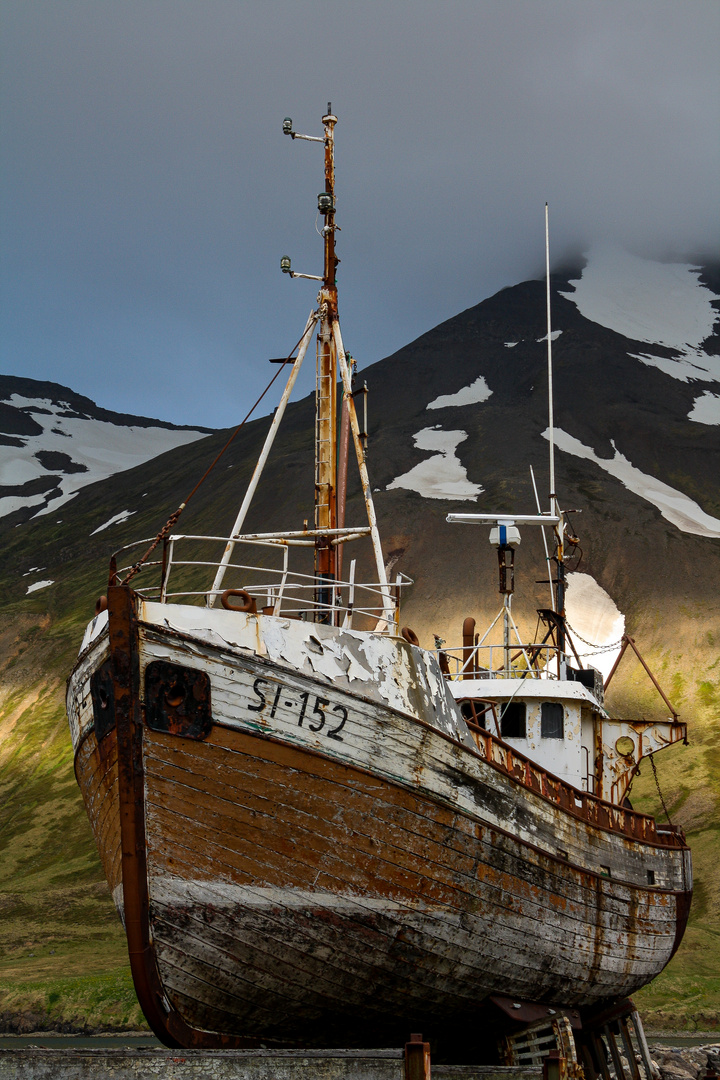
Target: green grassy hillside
x: 62, y: 950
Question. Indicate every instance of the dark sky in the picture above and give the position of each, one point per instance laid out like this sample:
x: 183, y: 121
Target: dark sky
x: 148, y: 192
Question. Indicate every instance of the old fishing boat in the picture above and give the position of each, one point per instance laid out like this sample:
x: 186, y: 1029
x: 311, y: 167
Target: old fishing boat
x: 318, y: 833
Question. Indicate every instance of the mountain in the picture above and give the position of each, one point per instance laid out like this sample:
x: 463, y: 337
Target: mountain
x: 53, y: 442
x: 456, y: 419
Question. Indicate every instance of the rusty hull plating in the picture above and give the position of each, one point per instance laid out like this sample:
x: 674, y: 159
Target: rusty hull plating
x: 307, y: 933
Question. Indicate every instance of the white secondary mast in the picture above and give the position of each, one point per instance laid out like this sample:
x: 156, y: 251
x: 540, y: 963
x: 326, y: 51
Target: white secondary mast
x: 505, y: 535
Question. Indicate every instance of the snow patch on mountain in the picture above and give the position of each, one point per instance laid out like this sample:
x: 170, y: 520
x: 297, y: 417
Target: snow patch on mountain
x: 554, y: 335
x: 473, y: 394
x: 594, y: 616
x: 672, y: 504
x: 442, y: 476
x: 706, y: 409
x: 68, y: 451
x: 702, y: 366
x: 38, y: 585
x: 659, y: 303
x: 115, y: 520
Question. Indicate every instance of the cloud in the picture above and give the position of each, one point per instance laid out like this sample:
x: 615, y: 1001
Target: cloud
x: 150, y: 192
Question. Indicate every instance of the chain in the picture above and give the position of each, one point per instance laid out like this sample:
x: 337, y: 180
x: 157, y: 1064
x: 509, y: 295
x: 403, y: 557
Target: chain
x: 593, y: 644
x: 657, y: 785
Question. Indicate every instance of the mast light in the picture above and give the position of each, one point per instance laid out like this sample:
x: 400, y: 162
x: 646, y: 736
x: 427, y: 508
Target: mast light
x: 326, y: 203
x: 286, y: 264
x: 287, y: 126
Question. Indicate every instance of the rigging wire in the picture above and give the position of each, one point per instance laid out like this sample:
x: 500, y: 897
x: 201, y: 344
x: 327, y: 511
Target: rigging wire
x: 657, y: 785
x: 172, y: 520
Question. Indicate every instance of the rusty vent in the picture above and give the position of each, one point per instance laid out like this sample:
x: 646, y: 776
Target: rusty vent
x: 177, y: 700
x: 102, y: 693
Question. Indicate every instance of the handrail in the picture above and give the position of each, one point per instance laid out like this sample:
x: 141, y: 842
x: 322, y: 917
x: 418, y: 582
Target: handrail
x: 277, y: 589
x: 477, y: 661
x: 582, y: 804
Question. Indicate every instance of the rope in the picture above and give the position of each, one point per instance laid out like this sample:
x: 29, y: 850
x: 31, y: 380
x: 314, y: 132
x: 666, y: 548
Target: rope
x: 171, y: 521
x: 657, y: 785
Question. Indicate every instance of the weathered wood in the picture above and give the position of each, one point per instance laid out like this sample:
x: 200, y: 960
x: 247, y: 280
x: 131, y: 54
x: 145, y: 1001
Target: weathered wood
x: 271, y: 853
x: 393, y: 745
x: 302, y: 887
x: 98, y: 779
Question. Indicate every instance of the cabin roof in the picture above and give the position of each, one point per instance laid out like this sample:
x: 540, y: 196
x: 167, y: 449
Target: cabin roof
x: 524, y: 690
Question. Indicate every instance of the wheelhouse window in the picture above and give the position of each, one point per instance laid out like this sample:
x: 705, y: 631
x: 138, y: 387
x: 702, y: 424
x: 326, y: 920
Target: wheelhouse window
x: 552, y: 717
x: 473, y: 712
x: 512, y: 720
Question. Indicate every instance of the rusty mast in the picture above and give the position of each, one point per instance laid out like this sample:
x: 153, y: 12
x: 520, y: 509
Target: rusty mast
x: 331, y: 361
x: 326, y: 377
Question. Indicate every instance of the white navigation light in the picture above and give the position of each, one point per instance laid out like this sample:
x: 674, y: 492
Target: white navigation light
x: 285, y: 264
x: 287, y: 126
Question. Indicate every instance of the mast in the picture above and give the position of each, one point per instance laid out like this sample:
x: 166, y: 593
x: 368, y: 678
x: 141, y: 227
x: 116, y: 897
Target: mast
x: 326, y: 382
x: 331, y: 356
x: 559, y: 528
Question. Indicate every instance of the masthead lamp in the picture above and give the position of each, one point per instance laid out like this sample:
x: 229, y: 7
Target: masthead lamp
x: 286, y: 264
x: 326, y: 202
x: 287, y: 126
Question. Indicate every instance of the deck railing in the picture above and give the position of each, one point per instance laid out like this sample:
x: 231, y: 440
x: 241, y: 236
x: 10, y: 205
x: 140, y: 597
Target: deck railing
x: 530, y: 661
x: 260, y: 567
x: 582, y: 804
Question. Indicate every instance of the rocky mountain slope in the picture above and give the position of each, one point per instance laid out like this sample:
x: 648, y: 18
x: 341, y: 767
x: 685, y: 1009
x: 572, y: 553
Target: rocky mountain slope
x: 53, y: 442
x: 456, y: 419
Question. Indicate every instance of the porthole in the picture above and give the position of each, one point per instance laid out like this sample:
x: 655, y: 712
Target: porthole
x: 625, y: 746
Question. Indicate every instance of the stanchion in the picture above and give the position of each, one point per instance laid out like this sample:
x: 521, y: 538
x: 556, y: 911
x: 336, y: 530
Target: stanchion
x: 417, y: 1059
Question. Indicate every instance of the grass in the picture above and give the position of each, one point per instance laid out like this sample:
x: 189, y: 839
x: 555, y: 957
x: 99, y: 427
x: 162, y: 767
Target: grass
x: 95, y: 1001
x: 63, y: 956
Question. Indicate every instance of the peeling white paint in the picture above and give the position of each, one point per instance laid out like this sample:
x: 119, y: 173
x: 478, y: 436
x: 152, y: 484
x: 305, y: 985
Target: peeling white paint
x: 377, y: 666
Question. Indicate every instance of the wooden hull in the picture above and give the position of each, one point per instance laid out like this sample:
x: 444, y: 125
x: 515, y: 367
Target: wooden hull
x: 280, y: 888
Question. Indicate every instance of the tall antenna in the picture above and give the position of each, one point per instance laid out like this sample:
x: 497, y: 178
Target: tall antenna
x: 551, y: 429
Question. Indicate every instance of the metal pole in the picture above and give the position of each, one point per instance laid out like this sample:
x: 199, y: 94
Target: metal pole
x: 551, y: 421
x: 269, y: 440
x: 554, y: 508
x: 364, y: 478
x: 343, y: 451
x: 545, y: 543
x: 326, y: 385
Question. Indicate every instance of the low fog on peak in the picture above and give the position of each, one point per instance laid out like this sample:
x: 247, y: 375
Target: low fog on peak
x: 149, y: 192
